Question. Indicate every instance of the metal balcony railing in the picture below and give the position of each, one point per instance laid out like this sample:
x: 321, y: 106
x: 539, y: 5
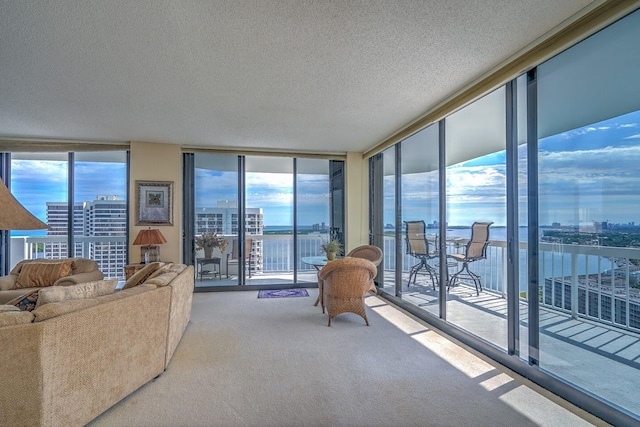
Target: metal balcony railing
x: 579, y: 280
x: 594, y: 282
x: 108, y: 251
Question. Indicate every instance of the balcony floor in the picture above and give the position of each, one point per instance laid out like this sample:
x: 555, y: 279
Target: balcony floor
x: 595, y: 356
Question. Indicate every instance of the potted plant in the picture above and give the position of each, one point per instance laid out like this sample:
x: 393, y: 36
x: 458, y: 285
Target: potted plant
x: 208, y: 241
x: 332, y: 248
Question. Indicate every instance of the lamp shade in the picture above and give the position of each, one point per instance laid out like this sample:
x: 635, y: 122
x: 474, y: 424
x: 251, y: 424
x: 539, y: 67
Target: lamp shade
x: 14, y: 216
x: 149, y: 237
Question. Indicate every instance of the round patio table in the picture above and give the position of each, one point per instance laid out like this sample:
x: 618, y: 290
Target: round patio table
x: 318, y: 262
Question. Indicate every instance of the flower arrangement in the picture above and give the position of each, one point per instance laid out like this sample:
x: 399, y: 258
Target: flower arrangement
x: 208, y: 241
x: 332, y: 248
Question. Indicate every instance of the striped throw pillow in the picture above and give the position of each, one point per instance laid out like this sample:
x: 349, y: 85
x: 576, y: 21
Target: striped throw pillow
x: 39, y: 274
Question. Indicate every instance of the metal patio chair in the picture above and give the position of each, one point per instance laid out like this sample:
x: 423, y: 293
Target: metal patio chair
x: 476, y: 249
x: 418, y: 247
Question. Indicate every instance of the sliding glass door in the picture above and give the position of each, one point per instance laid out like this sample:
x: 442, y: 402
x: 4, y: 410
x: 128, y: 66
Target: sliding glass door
x: 476, y: 192
x: 269, y: 211
x: 420, y: 210
x: 269, y: 218
x: 216, y: 219
x: 313, y: 213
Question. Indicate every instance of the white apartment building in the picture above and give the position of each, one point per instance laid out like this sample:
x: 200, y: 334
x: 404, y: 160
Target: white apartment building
x: 105, y: 217
x: 223, y: 219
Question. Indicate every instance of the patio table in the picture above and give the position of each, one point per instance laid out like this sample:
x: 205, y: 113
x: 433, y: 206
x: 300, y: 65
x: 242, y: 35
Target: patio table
x: 318, y: 262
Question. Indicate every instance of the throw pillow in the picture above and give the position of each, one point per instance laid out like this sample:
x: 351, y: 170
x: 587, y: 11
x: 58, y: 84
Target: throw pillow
x: 40, y: 274
x: 79, y: 291
x: 163, y: 269
x: 162, y: 279
x: 142, y: 275
x: 26, y: 302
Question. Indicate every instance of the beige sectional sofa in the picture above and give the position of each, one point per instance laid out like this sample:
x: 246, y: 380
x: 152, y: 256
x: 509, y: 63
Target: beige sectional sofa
x: 71, y: 360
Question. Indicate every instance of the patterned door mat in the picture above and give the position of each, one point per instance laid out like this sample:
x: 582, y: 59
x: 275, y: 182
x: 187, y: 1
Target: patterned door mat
x: 283, y: 293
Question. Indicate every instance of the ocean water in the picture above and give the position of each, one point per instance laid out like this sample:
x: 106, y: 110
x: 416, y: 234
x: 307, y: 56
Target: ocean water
x: 550, y: 264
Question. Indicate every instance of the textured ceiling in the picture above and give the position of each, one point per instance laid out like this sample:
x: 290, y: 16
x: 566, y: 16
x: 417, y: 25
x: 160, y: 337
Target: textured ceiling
x: 315, y: 75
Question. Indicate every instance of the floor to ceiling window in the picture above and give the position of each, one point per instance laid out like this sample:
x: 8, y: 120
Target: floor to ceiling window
x: 550, y: 161
x: 385, y: 233
x: 40, y: 181
x: 521, y: 215
x: 476, y: 192
x: 589, y: 213
x: 269, y: 217
x: 288, y: 206
x: 100, y: 206
x: 419, y: 200
x: 313, y: 213
x: 216, y: 217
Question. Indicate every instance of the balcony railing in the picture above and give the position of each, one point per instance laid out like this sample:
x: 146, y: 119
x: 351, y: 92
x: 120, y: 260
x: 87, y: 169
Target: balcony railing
x: 576, y: 279
x: 594, y: 282
x: 108, y: 251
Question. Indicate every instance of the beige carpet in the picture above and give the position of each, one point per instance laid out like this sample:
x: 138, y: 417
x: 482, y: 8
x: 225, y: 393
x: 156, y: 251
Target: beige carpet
x: 245, y: 361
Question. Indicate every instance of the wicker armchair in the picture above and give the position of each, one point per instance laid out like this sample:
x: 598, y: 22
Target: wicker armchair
x: 370, y: 252
x: 373, y: 254
x: 345, y: 282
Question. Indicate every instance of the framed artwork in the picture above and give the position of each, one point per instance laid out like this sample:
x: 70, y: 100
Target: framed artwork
x: 154, y: 202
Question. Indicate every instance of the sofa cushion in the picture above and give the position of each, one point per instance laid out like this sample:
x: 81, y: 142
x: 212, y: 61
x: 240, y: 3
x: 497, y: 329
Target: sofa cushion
x: 142, y: 275
x: 162, y: 279
x: 41, y: 274
x: 10, y: 318
x: 55, y: 309
x: 7, y: 307
x: 125, y: 293
x: 80, y: 291
x: 26, y: 302
x: 83, y: 265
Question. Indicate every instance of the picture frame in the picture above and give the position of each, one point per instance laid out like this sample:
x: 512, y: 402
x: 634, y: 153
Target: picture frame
x: 154, y: 202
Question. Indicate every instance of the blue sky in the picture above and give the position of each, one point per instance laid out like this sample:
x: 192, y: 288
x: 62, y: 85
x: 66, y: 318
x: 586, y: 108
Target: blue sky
x: 587, y: 174
x: 35, y: 182
x: 273, y: 192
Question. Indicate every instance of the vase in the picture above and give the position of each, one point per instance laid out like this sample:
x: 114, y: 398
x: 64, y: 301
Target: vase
x: 208, y: 252
x: 331, y: 256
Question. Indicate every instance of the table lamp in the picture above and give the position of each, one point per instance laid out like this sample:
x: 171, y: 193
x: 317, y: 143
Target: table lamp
x: 149, y: 239
x: 14, y: 216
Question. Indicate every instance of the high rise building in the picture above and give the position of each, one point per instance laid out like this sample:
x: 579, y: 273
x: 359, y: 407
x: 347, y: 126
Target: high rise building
x: 223, y: 219
x: 95, y: 224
